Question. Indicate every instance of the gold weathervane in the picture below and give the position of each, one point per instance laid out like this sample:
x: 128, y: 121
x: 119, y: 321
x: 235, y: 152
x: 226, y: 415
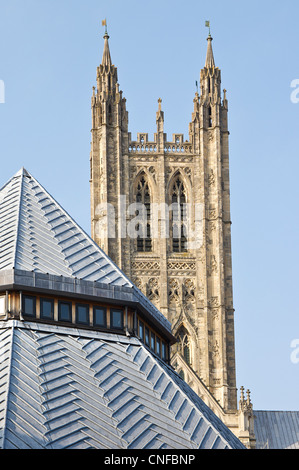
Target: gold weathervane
x: 208, y: 26
x: 104, y: 23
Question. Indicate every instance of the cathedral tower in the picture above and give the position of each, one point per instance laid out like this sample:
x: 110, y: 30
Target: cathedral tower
x: 160, y: 208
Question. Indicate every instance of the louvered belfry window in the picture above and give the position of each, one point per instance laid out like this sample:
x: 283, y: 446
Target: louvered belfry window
x: 178, y: 219
x: 144, y: 241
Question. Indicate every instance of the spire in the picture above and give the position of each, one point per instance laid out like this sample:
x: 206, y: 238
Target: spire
x: 210, y: 56
x: 106, y: 60
x: 210, y: 79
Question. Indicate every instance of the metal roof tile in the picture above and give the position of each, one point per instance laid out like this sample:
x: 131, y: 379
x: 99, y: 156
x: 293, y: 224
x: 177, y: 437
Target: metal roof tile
x: 67, y: 400
x: 277, y: 429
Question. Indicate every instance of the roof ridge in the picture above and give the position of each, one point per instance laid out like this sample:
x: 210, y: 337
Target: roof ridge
x: 20, y: 173
x: 109, y: 260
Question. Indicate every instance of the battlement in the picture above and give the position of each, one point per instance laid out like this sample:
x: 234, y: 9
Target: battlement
x: 142, y: 144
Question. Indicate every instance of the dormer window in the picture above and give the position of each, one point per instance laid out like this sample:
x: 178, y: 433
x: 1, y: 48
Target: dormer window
x: 88, y: 315
x: 47, y: 309
x: 116, y: 319
x: 82, y: 314
x: 65, y: 311
x: 156, y: 343
x: 29, y: 306
x: 100, y: 316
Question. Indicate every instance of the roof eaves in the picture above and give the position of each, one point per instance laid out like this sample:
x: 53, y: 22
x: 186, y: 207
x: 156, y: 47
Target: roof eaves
x: 80, y: 288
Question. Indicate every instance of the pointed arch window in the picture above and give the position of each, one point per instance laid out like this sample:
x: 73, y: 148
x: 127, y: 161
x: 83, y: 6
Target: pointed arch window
x: 181, y: 374
x: 144, y: 241
x: 184, y: 345
x: 178, y: 228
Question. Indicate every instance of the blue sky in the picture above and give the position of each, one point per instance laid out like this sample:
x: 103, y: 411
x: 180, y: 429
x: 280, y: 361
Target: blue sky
x: 49, y: 51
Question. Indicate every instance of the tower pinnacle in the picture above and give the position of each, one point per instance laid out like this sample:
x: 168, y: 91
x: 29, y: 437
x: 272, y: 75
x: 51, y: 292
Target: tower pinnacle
x: 210, y: 63
x: 106, y: 60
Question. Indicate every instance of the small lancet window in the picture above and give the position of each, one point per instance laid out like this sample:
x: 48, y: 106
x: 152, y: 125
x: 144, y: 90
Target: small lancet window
x: 109, y: 114
x: 144, y: 241
x: 178, y: 217
x: 210, y: 116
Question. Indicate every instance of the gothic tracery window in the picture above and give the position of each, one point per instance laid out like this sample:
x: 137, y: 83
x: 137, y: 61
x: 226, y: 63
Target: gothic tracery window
x: 184, y: 346
x: 178, y: 216
x: 144, y: 241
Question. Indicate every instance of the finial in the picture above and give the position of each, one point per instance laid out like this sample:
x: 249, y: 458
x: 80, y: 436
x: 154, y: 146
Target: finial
x: 208, y: 26
x: 106, y: 60
x: 210, y: 63
x: 104, y: 23
x: 159, y: 101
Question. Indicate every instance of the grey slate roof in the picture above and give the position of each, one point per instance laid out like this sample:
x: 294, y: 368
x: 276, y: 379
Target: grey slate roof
x: 67, y: 388
x: 276, y: 429
x: 37, y: 235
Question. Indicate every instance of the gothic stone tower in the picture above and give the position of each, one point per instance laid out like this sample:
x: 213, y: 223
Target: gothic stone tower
x: 184, y: 189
